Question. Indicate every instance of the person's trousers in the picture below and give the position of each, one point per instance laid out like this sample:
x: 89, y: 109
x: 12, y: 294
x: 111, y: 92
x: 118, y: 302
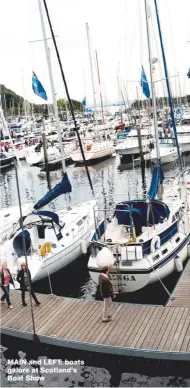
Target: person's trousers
x: 6, y: 290
x: 23, y: 292
x: 107, y: 306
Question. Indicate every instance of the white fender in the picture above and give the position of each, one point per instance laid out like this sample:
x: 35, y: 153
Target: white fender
x: 155, y: 244
x: 178, y: 264
x: 83, y: 247
x: 105, y: 258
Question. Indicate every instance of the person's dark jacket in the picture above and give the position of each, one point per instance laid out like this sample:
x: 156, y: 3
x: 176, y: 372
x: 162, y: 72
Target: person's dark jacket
x: 2, y: 277
x: 106, y: 288
x: 20, y: 279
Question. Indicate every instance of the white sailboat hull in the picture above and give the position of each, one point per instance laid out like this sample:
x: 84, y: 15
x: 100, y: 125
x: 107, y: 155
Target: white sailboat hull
x: 95, y: 153
x: 9, y: 219
x: 38, y: 157
x: 21, y: 153
x: 76, y: 232
x: 133, y: 281
x: 167, y: 158
x: 64, y: 258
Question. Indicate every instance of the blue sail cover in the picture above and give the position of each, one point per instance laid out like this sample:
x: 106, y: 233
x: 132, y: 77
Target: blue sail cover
x: 157, y: 180
x: 61, y: 188
x: 18, y: 243
x: 138, y: 209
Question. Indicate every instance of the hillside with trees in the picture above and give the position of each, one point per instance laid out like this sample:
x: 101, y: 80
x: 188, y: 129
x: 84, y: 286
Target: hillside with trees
x: 13, y: 104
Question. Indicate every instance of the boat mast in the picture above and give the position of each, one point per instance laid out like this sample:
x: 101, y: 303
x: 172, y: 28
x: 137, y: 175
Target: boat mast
x: 168, y: 84
x: 52, y: 86
x: 101, y: 100
x: 147, y: 13
x: 92, y: 73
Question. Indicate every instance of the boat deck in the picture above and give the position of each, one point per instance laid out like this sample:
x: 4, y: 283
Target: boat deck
x: 135, y: 330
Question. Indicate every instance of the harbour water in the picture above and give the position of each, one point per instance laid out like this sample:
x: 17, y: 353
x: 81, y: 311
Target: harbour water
x: 97, y: 370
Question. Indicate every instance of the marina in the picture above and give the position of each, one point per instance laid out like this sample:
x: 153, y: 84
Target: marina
x: 95, y: 195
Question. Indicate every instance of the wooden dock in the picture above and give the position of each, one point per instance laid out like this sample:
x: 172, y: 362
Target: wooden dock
x: 135, y: 330
x: 181, y: 293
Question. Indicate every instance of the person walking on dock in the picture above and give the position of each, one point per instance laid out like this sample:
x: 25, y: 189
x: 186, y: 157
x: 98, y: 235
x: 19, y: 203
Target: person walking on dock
x: 106, y: 291
x: 6, y: 279
x: 22, y: 278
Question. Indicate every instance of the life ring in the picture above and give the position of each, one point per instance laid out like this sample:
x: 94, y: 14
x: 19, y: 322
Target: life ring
x: 45, y: 248
x: 155, y: 244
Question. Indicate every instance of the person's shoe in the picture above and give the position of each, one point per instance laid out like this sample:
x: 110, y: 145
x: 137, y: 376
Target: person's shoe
x: 106, y: 319
x: 10, y: 307
x: 24, y: 304
x: 3, y: 301
x: 37, y: 303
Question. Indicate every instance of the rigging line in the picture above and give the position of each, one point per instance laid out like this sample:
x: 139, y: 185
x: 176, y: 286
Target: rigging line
x: 14, y: 149
x: 159, y: 62
x: 168, y: 84
x: 68, y: 97
x: 140, y: 25
x: 35, y: 337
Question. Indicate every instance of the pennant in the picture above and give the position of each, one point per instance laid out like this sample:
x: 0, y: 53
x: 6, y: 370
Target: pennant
x: 37, y: 87
x: 84, y: 101
x: 144, y: 84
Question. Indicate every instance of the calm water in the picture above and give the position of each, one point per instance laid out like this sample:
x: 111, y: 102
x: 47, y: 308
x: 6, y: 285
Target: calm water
x: 108, y: 180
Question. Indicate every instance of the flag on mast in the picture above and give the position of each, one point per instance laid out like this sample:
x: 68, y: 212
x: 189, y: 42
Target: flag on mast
x: 37, y: 87
x: 84, y: 101
x: 144, y: 84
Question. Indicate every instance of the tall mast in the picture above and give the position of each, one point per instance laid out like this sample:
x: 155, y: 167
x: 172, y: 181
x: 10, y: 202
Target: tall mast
x: 47, y: 51
x: 168, y: 85
x: 101, y: 100
x: 92, y: 73
x: 152, y: 81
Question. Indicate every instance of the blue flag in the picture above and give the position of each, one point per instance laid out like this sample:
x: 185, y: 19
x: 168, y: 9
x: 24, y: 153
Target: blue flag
x: 37, y: 87
x: 84, y: 101
x: 188, y: 74
x: 144, y: 84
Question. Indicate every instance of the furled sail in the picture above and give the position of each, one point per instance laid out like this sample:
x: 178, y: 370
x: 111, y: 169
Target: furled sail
x: 61, y: 188
x: 157, y: 180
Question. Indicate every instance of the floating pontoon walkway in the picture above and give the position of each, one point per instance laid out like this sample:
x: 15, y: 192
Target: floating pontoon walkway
x: 135, y: 330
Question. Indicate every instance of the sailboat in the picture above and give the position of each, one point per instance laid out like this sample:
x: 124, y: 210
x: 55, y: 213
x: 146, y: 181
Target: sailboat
x: 94, y: 149
x: 146, y: 239
x: 50, y: 240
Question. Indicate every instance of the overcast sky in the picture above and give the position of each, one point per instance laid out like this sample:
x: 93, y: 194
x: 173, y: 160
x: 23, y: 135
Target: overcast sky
x: 118, y: 33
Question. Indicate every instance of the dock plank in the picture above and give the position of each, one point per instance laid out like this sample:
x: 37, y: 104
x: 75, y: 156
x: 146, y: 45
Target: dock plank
x: 145, y: 322
x: 181, y: 294
x: 141, y: 340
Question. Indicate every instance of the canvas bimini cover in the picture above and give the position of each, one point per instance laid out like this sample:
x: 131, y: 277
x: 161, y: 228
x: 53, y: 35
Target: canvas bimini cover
x: 18, y: 243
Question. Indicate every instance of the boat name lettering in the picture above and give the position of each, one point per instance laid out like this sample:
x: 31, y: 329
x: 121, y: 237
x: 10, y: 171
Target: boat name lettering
x: 122, y: 277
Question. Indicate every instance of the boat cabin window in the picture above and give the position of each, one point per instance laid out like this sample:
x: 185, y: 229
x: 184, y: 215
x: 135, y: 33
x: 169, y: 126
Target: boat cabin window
x: 80, y: 222
x: 164, y: 251
x: 177, y: 239
x: 156, y: 257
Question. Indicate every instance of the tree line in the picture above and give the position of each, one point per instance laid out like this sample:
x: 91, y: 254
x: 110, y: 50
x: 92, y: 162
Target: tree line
x: 14, y: 105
